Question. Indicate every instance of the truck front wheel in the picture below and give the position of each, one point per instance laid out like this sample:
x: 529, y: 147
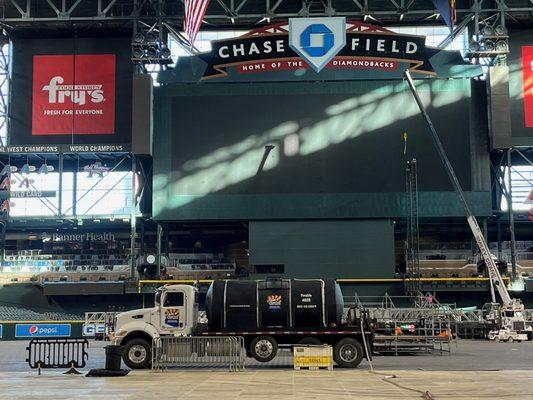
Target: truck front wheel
x: 263, y: 348
x: 348, y: 353
x: 137, y: 354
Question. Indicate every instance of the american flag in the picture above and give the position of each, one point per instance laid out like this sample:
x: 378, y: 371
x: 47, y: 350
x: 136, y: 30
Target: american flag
x: 194, y: 14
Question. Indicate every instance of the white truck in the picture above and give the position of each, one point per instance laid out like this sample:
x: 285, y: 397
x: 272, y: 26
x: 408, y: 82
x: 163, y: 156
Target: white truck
x: 506, y: 335
x: 267, y: 314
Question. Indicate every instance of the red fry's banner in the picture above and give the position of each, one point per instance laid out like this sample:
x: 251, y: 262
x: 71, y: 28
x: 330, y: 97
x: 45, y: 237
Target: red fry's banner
x: 527, y: 76
x: 73, y: 94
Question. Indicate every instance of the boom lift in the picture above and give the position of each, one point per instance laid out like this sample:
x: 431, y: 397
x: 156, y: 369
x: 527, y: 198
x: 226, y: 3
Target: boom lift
x: 510, y: 315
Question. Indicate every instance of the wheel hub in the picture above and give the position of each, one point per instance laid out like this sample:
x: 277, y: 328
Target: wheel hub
x: 348, y: 353
x: 137, y: 354
x: 263, y: 348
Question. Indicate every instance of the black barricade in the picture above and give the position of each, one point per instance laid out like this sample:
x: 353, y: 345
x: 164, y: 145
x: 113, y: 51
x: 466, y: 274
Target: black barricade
x: 57, y: 353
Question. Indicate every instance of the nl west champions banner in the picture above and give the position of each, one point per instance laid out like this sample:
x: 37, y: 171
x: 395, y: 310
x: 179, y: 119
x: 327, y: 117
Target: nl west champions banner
x: 71, y: 91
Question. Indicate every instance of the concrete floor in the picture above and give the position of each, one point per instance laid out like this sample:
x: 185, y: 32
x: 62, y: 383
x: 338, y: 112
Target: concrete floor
x: 476, y: 370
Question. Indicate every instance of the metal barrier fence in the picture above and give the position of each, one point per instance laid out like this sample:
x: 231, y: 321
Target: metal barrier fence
x: 57, y: 353
x: 173, y: 351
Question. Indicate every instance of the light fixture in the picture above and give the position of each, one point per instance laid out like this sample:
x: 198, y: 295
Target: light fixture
x: 138, y: 38
x: 165, y: 52
x: 137, y: 52
x: 488, y: 45
x: 487, y: 30
x: 148, y: 47
x: 501, y: 45
x: 501, y: 30
x: 152, y: 37
x: 151, y: 52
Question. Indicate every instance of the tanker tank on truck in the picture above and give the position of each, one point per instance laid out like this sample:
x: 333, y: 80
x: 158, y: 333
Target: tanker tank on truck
x: 269, y: 314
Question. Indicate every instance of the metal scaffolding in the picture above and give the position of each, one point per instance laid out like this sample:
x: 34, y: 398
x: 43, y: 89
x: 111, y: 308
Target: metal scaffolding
x: 412, y: 259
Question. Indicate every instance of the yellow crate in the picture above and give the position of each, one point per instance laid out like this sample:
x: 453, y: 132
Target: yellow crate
x: 313, y: 357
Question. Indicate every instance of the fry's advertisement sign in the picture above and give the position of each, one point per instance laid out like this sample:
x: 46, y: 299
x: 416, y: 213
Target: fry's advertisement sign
x: 73, y: 94
x: 527, y: 79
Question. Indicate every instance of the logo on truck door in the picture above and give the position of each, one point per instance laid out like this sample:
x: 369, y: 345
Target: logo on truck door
x: 172, y: 317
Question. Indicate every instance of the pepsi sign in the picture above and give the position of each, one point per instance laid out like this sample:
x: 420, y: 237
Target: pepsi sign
x: 42, y: 330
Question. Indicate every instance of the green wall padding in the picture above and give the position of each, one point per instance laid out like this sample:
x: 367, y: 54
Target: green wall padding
x: 325, y: 249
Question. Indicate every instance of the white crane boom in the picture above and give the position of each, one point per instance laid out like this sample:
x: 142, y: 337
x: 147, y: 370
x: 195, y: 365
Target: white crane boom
x: 494, y: 274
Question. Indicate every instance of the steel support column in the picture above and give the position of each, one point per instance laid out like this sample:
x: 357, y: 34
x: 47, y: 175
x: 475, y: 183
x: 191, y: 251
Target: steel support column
x: 499, y: 230
x: 133, y: 216
x: 74, y: 193
x: 511, y: 215
x: 60, y: 187
x: 158, y: 248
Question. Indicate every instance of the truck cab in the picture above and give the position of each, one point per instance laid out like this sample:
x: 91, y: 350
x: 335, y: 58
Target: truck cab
x: 175, y: 312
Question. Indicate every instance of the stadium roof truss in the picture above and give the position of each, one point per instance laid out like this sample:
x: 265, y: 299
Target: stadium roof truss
x: 224, y: 14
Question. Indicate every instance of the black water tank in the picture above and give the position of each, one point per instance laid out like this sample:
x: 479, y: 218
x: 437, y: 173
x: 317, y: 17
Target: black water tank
x: 237, y: 305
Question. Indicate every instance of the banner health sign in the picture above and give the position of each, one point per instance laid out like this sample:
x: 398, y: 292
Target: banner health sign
x: 42, y: 330
x: 71, y: 91
x: 319, y: 49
